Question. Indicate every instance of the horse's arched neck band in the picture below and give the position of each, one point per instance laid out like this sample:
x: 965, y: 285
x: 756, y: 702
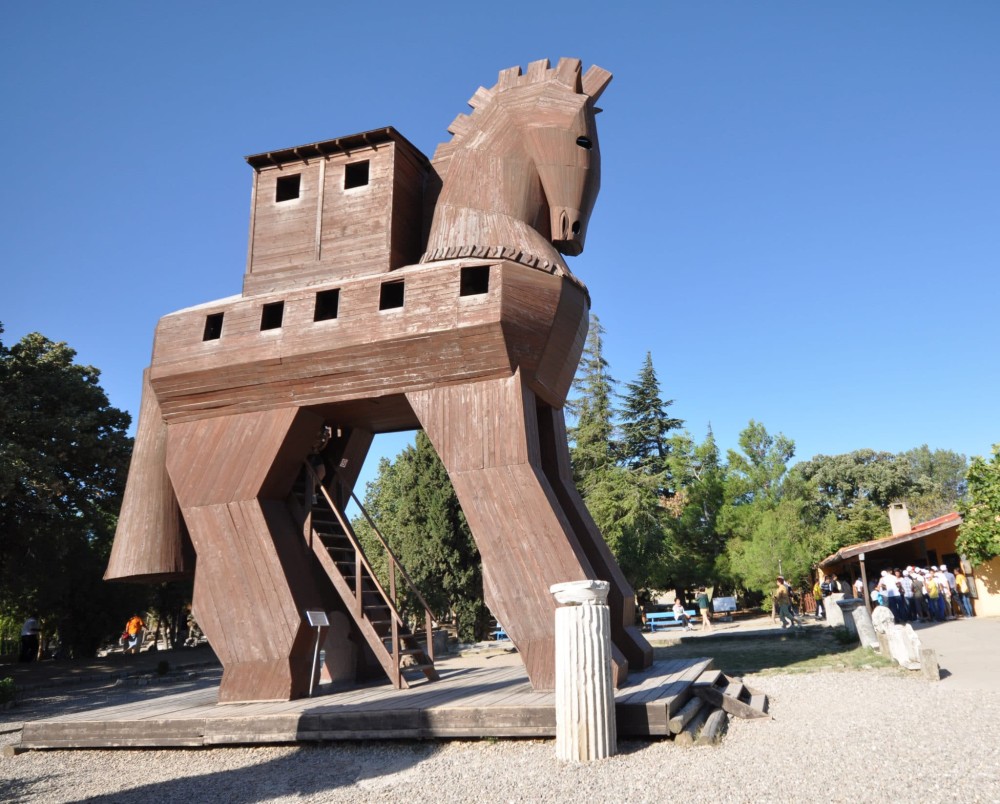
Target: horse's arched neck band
x: 508, y: 253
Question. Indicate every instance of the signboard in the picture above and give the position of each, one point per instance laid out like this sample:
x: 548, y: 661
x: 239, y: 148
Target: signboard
x: 724, y: 604
x: 317, y: 619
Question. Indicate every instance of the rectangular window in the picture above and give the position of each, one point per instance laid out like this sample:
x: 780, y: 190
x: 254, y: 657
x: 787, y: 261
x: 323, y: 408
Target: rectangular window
x: 271, y: 315
x: 355, y: 175
x: 327, y: 304
x: 213, y: 327
x: 391, y: 296
x: 287, y: 187
x: 475, y: 280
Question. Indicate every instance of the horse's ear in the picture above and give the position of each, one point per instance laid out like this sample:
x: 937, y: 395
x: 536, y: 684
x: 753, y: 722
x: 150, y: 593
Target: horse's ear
x: 595, y: 81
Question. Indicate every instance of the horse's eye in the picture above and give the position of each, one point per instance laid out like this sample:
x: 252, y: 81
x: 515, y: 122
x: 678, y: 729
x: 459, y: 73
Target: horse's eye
x: 584, y: 142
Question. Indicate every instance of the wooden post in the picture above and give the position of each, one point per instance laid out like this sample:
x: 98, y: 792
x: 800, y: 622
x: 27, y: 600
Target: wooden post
x: 864, y: 584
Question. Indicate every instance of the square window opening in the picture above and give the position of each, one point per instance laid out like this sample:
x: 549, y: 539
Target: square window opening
x: 391, y: 296
x: 271, y: 315
x: 213, y: 327
x: 475, y: 280
x: 327, y: 304
x: 287, y: 188
x: 356, y: 174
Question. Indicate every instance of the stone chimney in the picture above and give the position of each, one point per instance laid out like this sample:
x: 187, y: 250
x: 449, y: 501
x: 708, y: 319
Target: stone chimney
x: 899, y: 518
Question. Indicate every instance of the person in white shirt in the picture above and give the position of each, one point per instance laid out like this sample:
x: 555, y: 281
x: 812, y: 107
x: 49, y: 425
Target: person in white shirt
x: 681, y: 616
x: 906, y: 591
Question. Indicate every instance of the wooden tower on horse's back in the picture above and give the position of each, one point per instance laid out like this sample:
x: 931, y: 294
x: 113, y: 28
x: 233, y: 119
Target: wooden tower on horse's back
x: 382, y: 292
x: 335, y: 210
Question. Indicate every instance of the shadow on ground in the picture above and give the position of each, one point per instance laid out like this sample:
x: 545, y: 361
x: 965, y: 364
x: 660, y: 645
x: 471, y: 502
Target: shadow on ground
x: 811, y: 649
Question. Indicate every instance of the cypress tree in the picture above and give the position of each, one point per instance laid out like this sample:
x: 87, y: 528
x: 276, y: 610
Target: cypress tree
x: 646, y: 428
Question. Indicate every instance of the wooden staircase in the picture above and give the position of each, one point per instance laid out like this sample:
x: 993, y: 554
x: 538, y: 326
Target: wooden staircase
x: 375, y: 612
x: 703, y: 720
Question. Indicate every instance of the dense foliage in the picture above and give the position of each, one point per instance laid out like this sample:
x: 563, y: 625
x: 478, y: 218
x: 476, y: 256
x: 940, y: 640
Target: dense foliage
x: 64, y: 454
x: 675, y: 513
x: 979, y: 536
x: 415, y: 508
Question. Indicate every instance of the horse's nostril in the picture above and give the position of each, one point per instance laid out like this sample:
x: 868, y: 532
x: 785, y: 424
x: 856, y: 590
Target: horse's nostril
x: 576, y: 227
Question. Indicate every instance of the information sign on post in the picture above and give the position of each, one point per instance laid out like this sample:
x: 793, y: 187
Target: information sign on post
x: 319, y: 621
x: 724, y: 606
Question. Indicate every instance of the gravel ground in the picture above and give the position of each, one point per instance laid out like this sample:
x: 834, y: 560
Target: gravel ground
x: 852, y: 736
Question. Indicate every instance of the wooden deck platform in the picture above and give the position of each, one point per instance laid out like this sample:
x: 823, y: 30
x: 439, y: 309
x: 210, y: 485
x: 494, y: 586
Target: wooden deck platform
x: 466, y: 702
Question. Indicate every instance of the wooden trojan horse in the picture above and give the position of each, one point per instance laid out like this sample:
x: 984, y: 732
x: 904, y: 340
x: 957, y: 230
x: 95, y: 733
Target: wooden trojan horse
x: 383, y: 292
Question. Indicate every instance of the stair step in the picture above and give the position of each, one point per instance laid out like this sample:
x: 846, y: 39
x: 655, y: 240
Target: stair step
x: 425, y: 669
x: 409, y: 651
x: 374, y: 615
x: 710, y: 678
x: 735, y: 689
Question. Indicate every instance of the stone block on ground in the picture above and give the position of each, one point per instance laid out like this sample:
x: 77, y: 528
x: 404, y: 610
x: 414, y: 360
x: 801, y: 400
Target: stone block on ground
x: 929, y: 664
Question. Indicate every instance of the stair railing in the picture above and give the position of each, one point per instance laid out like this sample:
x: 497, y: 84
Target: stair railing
x: 393, y: 563
x: 361, y: 562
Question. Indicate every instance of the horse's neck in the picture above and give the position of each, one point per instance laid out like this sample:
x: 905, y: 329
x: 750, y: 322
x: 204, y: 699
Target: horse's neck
x: 488, y: 207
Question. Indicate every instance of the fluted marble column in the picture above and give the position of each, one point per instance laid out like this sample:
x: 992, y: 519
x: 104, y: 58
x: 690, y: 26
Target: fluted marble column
x: 585, y: 698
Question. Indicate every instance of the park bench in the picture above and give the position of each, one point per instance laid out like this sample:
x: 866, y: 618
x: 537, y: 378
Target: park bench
x: 498, y: 633
x: 665, y: 620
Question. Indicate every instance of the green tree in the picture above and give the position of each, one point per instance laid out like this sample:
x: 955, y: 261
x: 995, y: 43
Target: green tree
x: 862, y: 476
x: 593, y: 444
x: 64, y: 454
x: 693, y: 513
x: 938, y: 480
x: 756, y: 473
x: 771, y: 540
x: 979, y: 535
x: 415, y: 507
x: 852, y: 492
x: 626, y: 508
x: 646, y: 428
x: 764, y: 518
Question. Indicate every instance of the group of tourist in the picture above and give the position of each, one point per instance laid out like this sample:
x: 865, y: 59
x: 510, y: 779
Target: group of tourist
x: 912, y: 594
x: 921, y: 594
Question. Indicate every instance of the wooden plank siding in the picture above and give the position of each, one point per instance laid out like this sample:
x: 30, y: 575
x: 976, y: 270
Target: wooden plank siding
x: 231, y: 475
x: 437, y: 337
x: 332, y: 232
x: 152, y: 544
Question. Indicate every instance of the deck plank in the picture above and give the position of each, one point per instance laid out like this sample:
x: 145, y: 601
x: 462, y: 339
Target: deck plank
x: 467, y: 702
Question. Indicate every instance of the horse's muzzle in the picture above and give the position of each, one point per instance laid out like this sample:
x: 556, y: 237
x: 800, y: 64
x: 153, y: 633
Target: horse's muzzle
x: 567, y: 231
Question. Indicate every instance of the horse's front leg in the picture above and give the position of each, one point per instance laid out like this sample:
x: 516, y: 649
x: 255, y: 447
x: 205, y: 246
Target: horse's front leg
x: 487, y: 435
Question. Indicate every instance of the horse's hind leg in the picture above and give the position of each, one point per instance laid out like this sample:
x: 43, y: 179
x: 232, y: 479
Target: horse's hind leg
x: 487, y: 436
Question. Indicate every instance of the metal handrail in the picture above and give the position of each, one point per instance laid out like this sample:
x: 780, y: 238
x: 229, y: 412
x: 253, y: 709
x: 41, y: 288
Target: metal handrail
x: 362, y: 560
x: 392, y: 556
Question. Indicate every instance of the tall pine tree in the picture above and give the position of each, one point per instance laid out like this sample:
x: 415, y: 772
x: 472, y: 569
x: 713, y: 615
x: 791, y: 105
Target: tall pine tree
x: 623, y: 503
x: 416, y: 509
x: 593, y: 445
x: 646, y: 429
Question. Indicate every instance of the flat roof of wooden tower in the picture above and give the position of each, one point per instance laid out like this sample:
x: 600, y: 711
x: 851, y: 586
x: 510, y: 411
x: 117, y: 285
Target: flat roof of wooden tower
x: 340, y: 145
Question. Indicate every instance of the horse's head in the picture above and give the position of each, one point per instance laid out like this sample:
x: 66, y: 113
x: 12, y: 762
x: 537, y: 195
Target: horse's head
x: 528, y: 154
x: 561, y: 138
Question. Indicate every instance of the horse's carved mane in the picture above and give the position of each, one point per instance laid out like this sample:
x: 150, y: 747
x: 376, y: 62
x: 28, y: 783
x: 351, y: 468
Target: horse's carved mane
x: 567, y: 72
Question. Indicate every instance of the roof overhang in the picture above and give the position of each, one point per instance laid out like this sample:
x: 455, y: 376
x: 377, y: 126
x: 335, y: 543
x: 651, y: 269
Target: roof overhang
x: 928, y: 528
x: 341, y: 145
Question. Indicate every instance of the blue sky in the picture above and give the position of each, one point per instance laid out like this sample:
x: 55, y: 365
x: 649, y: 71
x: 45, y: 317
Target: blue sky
x: 799, y: 208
